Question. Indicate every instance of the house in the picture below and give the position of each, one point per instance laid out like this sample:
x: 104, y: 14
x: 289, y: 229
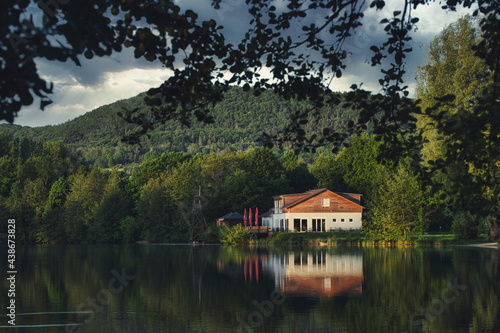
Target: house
x: 317, y: 210
x: 267, y: 218
x: 316, y: 273
x: 230, y: 219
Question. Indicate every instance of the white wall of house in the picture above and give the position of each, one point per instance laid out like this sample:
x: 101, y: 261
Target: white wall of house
x: 267, y: 221
x: 309, y: 264
x: 332, y: 221
x: 278, y: 221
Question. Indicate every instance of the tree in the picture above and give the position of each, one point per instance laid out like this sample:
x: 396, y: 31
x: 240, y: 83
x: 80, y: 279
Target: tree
x: 460, y: 94
x: 159, y: 216
x: 296, y: 171
x: 452, y: 69
x: 114, y: 208
x: 85, y: 195
x: 301, y: 55
x: 358, y: 166
x: 323, y: 169
x: 302, y: 65
x: 399, y: 207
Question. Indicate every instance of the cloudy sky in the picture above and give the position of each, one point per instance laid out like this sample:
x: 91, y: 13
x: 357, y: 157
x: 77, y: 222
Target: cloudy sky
x: 101, y: 81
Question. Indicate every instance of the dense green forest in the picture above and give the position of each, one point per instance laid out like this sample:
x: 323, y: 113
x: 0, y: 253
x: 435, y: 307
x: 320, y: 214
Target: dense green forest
x: 240, y: 120
x: 55, y: 197
x: 78, y: 183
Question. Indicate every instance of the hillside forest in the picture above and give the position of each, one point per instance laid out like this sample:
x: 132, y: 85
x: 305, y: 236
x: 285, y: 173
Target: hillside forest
x: 78, y: 183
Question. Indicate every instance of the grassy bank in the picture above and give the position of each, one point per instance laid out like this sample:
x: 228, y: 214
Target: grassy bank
x: 314, y: 238
x: 360, y: 238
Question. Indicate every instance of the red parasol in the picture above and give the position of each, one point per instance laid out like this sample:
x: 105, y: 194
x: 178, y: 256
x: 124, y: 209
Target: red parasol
x: 250, y: 217
x: 257, y: 269
x: 245, y: 217
x: 250, y: 266
x: 257, y: 216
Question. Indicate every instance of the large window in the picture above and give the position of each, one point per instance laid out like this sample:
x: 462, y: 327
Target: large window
x: 304, y: 225
x: 296, y: 224
x: 318, y: 224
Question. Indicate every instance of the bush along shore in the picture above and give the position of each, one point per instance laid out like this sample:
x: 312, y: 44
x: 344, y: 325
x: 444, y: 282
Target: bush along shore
x: 237, y: 235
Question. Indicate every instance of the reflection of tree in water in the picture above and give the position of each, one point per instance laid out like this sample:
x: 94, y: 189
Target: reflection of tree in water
x: 183, y: 288
x: 485, y: 290
x: 198, y: 265
x: 420, y: 289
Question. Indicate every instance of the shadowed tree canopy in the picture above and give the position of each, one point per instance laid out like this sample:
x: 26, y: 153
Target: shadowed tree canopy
x: 458, y: 88
x: 302, y: 57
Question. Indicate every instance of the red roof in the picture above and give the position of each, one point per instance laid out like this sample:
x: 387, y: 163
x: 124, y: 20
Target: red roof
x: 301, y: 197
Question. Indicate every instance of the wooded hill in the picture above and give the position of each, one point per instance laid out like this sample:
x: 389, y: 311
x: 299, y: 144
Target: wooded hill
x: 240, y: 120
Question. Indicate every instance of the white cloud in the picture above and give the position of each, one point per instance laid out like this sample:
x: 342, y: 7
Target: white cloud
x: 73, y: 100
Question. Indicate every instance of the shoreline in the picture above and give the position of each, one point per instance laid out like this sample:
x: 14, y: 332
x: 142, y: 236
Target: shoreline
x: 483, y: 245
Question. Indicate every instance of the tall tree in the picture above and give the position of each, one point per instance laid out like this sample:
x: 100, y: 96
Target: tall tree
x: 452, y: 69
x: 296, y: 171
x: 460, y: 95
x: 399, y: 207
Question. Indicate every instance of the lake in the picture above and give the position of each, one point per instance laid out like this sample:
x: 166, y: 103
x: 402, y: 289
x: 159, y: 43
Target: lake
x: 181, y: 288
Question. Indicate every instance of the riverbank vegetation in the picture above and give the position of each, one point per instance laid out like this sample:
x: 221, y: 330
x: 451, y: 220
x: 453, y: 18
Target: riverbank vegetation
x: 355, y: 238
x: 55, y: 198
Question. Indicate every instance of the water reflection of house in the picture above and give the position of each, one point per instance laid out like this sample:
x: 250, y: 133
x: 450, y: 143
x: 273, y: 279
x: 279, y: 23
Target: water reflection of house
x: 317, y: 273
x: 248, y: 266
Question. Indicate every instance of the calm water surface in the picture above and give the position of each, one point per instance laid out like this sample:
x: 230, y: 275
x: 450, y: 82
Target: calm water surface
x: 167, y: 288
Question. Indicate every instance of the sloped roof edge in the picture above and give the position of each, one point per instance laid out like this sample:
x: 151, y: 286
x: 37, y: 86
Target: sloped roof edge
x: 310, y: 194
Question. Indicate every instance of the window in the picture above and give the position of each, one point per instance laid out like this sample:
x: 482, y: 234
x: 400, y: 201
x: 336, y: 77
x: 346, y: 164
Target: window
x: 296, y: 224
x: 342, y: 220
x: 304, y: 258
x: 325, y: 202
x: 350, y: 220
x: 334, y: 220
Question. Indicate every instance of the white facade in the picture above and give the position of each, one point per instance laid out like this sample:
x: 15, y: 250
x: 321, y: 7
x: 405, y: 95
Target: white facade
x: 267, y: 221
x: 327, y: 221
x: 316, y: 211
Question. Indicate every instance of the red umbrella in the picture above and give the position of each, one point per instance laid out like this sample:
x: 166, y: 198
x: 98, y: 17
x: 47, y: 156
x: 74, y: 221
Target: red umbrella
x: 250, y: 266
x: 245, y: 217
x: 250, y: 216
x: 257, y: 269
x: 257, y: 216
